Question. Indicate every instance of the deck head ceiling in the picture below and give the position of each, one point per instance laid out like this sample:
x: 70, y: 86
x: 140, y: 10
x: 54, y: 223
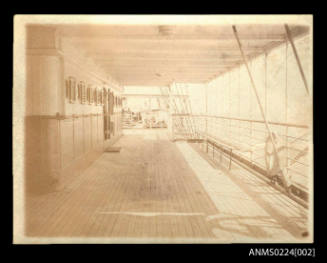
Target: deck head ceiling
x: 157, y: 55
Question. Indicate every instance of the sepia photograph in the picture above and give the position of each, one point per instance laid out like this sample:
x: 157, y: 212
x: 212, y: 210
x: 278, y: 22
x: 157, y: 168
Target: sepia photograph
x: 156, y: 129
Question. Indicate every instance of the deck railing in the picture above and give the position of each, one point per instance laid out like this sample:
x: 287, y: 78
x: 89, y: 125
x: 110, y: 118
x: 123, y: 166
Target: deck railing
x: 247, y: 139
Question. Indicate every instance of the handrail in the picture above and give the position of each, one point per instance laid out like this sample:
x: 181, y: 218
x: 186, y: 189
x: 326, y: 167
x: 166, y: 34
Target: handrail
x: 247, y: 150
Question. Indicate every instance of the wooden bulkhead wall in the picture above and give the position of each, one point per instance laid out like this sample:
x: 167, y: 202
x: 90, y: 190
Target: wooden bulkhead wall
x: 73, y: 111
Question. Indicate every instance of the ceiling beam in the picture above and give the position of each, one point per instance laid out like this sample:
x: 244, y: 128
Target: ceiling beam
x: 163, y: 71
x: 163, y: 74
x: 195, y: 57
x: 166, y: 77
x: 179, y: 48
x: 175, y: 78
x: 168, y: 68
x: 160, y: 51
x: 154, y: 95
x: 167, y: 74
x: 166, y: 63
x: 174, y: 37
x: 157, y: 82
x: 171, y: 60
x: 142, y: 83
x: 106, y: 46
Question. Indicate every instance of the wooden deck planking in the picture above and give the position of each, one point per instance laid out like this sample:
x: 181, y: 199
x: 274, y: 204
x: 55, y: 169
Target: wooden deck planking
x: 116, y: 194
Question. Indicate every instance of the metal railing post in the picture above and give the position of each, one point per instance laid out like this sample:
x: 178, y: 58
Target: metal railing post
x: 230, y: 158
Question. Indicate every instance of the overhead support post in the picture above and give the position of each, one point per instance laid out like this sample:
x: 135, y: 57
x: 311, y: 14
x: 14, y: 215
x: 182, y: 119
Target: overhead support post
x: 261, y: 108
x: 206, y: 107
x: 290, y: 38
x: 170, y: 112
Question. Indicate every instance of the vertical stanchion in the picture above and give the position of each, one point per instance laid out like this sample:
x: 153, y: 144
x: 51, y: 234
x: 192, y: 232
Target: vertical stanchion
x: 189, y: 106
x: 221, y: 156
x: 239, y: 104
x: 290, y: 38
x: 229, y: 106
x: 286, y: 106
x: 206, y: 115
x: 230, y: 158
